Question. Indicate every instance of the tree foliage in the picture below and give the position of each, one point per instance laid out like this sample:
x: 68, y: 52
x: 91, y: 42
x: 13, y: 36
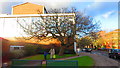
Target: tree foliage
x: 85, y: 41
x: 60, y: 27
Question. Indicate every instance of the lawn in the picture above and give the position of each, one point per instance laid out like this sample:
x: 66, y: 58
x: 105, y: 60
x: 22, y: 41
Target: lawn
x: 84, y: 61
x: 41, y: 57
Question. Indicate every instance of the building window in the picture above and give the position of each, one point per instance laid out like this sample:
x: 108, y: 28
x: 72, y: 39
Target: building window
x: 16, y: 48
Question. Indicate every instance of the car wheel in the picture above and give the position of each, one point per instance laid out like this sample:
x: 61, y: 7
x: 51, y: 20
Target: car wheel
x: 110, y: 56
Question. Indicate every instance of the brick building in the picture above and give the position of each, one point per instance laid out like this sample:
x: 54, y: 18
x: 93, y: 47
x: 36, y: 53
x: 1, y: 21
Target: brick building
x: 28, y: 12
x: 28, y: 8
x: 110, y: 39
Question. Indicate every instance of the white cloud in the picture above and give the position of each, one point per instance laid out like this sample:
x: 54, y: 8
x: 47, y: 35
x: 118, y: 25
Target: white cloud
x: 94, y: 5
x: 106, y: 0
x: 0, y: 8
x: 52, y: 3
x: 47, y: 3
x: 11, y: 0
x: 88, y: 6
x: 106, y: 15
x: 60, y: 0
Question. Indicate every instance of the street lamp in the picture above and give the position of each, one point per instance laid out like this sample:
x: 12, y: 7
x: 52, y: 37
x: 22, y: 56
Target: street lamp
x: 74, y: 32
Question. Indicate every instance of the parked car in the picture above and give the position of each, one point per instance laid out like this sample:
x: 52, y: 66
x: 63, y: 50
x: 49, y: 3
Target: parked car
x: 87, y: 49
x: 114, y: 53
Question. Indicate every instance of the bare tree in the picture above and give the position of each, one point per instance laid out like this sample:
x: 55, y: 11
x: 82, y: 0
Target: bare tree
x: 60, y: 27
x: 85, y: 42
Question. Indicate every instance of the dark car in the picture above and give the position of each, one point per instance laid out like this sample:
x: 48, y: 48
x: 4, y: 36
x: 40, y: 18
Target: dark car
x: 114, y: 53
x: 87, y: 49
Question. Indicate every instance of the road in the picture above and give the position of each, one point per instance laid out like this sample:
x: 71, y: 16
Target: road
x: 103, y: 53
x: 101, y: 61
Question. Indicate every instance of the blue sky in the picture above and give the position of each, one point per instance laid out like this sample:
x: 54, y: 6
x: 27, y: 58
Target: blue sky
x: 105, y: 12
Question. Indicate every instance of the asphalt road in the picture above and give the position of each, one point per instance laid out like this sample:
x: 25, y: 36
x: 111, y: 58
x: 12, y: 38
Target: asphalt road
x: 103, y: 53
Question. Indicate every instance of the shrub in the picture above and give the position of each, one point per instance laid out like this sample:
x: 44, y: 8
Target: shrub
x: 41, y: 50
x: 30, y: 49
x: 15, y: 54
x: 69, y: 51
x: 57, y: 49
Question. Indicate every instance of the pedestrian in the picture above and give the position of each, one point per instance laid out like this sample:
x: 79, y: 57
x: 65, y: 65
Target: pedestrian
x: 54, y: 56
x: 45, y: 55
x: 78, y: 51
x: 52, y: 53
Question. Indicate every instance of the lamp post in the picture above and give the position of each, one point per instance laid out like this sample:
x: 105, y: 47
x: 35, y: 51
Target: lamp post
x: 74, y: 33
x: 75, y: 43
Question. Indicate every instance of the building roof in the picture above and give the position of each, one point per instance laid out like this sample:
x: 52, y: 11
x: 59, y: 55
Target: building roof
x: 27, y: 3
x: 1, y: 38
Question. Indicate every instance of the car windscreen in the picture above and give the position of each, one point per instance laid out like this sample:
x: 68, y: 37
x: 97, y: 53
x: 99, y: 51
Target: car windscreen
x: 119, y: 50
x: 116, y: 51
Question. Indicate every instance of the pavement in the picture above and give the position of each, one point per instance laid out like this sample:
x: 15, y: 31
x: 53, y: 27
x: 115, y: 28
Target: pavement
x: 103, y: 53
x: 102, y: 61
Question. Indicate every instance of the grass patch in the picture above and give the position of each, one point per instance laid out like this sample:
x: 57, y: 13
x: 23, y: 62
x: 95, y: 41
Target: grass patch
x: 41, y: 57
x: 84, y: 61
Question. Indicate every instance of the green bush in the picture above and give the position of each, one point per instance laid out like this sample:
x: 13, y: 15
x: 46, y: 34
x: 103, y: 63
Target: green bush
x: 15, y: 54
x: 41, y: 50
x: 30, y: 49
x: 66, y: 51
x: 69, y: 51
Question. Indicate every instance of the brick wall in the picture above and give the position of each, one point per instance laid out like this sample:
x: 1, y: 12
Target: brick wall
x: 27, y: 8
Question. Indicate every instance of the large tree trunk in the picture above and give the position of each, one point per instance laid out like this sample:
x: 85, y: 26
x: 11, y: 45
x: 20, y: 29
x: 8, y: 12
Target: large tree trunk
x: 61, y: 52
